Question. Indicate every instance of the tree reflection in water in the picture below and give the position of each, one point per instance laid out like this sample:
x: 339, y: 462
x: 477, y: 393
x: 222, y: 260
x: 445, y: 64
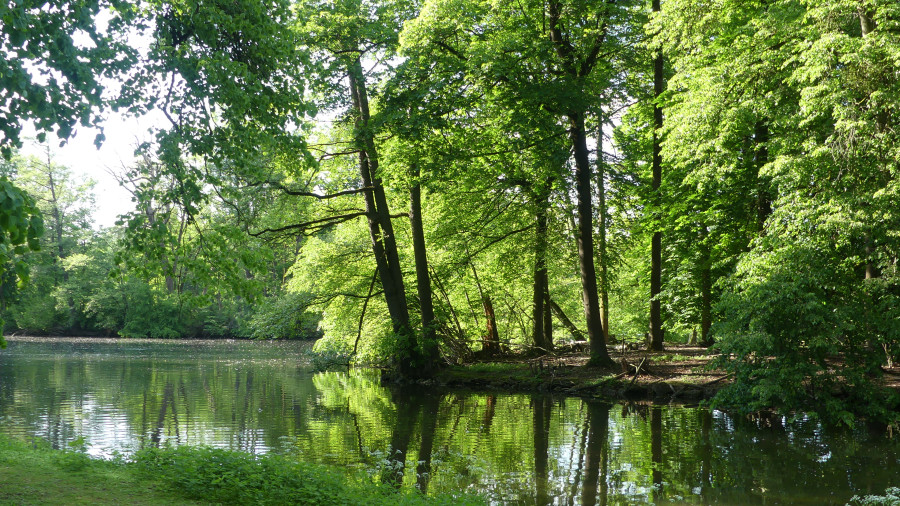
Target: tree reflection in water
x: 523, y: 449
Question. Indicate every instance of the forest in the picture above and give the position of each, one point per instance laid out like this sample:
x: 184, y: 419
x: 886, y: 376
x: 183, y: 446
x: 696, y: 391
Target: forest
x: 421, y: 182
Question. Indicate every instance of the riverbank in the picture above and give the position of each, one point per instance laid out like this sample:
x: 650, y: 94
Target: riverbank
x: 680, y: 374
x: 35, y: 474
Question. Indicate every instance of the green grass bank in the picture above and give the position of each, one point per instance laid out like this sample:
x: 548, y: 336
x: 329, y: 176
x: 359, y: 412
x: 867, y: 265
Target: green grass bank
x: 32, y: 473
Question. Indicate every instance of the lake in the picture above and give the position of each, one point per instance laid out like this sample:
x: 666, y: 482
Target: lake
x: 121, y: 395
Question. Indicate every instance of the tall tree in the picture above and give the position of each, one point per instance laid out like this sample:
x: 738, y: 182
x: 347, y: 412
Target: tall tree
x: 800, y: 133
x: 557, y: 73
x: 656, y: 330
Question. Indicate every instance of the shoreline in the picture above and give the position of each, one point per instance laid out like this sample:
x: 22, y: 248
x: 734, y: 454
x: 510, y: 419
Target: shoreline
x: 677, y: 375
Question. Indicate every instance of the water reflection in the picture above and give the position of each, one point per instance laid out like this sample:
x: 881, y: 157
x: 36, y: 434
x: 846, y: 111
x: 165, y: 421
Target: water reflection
x: 521, y: 449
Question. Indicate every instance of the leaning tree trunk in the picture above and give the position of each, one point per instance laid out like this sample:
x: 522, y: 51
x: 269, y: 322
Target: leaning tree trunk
x: 567, y: 323
x: 381, y: 230
x: 656, y: 330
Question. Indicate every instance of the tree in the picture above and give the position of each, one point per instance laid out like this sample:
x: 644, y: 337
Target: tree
x: 656, y: 330
x: 50, y: 77
x: 811, y: 156
x: 66, y: 202
x: 535, y: 57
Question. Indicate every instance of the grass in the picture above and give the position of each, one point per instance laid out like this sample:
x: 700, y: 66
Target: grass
x: 520, y: 373
x: 34, y: 474
x: 672, y: 358
x: 495, y: 367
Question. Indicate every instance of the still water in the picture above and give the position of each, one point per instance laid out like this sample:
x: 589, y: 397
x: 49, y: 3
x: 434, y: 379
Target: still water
x: 123, y: 395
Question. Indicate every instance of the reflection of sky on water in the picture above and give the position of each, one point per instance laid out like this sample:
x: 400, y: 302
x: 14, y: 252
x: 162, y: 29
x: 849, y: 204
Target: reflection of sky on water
x: 123, y: 395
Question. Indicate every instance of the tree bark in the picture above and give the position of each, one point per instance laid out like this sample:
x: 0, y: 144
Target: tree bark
x: 548, y: 320
x: 656, y: 330
x: 381, y: 230
x: 540, y: 288
x: 705, y: 299
x: 601, y: 232
x: 866, y: 23
x: 423, y: 280
x: 491, y: 344
x: 599, y: 354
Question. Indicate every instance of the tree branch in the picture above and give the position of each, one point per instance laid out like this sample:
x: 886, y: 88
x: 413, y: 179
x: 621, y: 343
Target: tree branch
x: 298, y: 193
x: 314, y: 224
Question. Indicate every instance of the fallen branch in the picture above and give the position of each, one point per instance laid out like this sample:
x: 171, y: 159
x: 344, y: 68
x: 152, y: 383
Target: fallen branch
x: 637, y: 371
x: 717, y: 380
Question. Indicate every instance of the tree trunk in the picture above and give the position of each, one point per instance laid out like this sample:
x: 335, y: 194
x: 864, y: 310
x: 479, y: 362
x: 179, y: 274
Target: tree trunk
x: 408, y: 410
x: 866, y: 23
x: 599, y: 353
x: 656, y: 453
x: 430, y: 406
x: 381, y: 229
x: 423, y: 281
x: 542, y: 409
x: 705, y: 300
x: 656, y: 330
x: 763, y: 200
x: 567, y: 323
x: 597, y: 455
x: 601, y: 235
x: 487, y: 419
x: 548, y: 321
x: 491, y: 344
x: 540, y: 339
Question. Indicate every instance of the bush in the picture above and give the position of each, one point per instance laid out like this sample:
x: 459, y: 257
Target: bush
x: 801, y: 332
x: 37, y: 315
x: 891, y: 497
x: 148, y: 314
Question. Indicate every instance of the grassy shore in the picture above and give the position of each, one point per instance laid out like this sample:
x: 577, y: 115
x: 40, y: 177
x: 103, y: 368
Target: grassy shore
x: 32, y: 473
